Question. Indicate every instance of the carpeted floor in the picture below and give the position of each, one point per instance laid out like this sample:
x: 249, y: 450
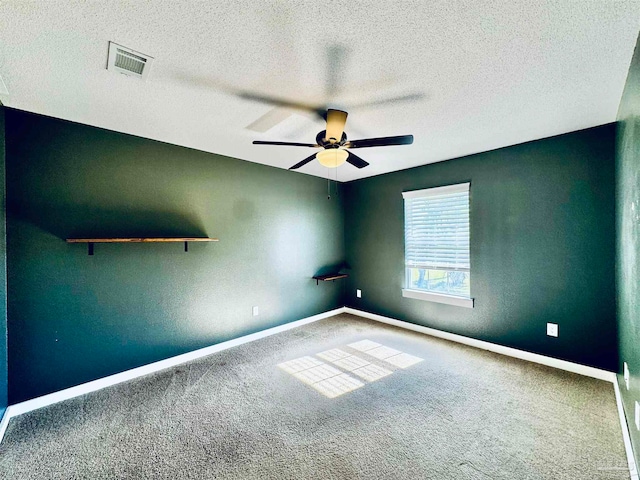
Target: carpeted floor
x: 460, y: 413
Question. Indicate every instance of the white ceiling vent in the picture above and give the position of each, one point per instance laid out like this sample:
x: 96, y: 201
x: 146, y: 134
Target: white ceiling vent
x: 129, y: 62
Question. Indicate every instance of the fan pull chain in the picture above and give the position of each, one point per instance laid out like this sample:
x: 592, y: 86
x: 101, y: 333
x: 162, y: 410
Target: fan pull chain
x: 329, y: 183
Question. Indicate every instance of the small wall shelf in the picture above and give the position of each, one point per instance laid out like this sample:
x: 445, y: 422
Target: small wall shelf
x: 329, y: 278
x: 185, y: 240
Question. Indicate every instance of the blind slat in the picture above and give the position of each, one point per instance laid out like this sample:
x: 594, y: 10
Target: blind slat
x: 437, y: 231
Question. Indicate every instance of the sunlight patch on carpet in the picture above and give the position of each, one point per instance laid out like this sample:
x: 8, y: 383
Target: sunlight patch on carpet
x: 317, y: 374
x: 336, y: 386
x: 351, y: 363
x: 300, y: 364
x: 333, y: 354
x: 364, y: 345
x: 383, y: 352
x: 332, y: 381
x: 404, y: 360
x: 372, y: 372
x: 324, y: 378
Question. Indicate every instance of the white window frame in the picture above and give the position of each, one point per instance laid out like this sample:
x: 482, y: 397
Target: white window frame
x: 455, y: 300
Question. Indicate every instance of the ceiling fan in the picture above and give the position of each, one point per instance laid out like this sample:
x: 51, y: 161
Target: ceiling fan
x: 334, y: 144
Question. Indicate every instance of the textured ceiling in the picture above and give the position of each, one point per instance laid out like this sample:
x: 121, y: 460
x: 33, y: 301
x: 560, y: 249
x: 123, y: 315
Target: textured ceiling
x: 480, y: 74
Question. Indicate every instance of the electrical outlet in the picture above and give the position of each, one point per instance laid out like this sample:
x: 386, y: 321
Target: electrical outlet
x: 256, y: 312
x: 358, y: 293
x: 552, y: 329
x: 626, y: 375
x: 637, y: 415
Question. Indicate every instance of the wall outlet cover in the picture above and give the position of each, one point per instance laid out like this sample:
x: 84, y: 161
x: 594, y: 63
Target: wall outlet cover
x: 552, y: 329
x: 358, y: 293
x: 256, y: 311
x: 626, y: 374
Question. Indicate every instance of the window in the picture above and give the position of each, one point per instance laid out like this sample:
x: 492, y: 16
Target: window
x: 436, y: 255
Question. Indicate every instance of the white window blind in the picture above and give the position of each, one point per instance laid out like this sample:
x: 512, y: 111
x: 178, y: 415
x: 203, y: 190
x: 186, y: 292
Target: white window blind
x: 437, y: 228
x: 436, y: 237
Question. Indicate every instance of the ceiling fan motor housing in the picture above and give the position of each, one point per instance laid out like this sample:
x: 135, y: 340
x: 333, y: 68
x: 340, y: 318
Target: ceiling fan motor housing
x: 326, y: 143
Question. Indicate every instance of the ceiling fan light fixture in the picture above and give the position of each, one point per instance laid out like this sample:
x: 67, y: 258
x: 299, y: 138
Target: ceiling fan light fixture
x: 332, y: 157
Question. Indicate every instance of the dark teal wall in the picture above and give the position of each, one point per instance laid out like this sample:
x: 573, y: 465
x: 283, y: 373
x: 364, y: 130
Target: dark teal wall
x: 628, y: 241
x: 543, y: 249
x: 3, y: 273
x: 74, y: 318
x: 542, y: 246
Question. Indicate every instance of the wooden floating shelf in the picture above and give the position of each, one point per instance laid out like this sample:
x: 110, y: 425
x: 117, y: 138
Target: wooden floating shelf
x: 141, y: 240
x: 185, y: 240
x: 329, y: 278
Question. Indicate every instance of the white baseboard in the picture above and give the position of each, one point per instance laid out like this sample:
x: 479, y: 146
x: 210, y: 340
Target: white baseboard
x: 4, y: 423
x: 531, y: 357
x: 633, y: 471
x: 67, y: 393
x: 50, y: 399
x: 492, y: 347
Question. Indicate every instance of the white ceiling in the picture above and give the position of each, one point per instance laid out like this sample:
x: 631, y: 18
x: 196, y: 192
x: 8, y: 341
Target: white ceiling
x: 488, y: 73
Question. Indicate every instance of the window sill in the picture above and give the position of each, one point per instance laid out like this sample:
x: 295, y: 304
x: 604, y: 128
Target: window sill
x: 438, y: 298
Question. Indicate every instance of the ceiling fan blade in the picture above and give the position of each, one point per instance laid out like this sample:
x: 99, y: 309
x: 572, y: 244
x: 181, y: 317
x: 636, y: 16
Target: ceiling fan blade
x: 356, y: 161
x: 411, y: 97
x: 336, y: 66
x: 269, y: 120
x: 286, y: 144
x: 303, y: 162
x: 211, y: 83
x: 336, y: 120
x: 282, y: 102
x: 380, y: 141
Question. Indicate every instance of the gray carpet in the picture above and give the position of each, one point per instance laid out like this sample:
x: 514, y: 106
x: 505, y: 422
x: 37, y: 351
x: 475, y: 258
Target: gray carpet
x: 461, y: 413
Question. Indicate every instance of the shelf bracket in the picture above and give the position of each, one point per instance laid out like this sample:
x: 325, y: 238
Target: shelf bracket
x: 90, y: 248
x: 186, y: 246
